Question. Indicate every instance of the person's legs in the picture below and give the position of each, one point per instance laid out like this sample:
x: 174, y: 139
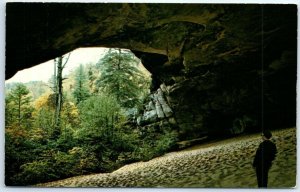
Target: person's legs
x: 262, y: 177
x: 259, y: 177
x: 265, y: 177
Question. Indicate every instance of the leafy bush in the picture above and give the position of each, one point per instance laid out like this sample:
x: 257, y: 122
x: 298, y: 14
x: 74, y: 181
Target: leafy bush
x: 76, y: 161
x: 166, y: 142
x: 36, y: 172
x: 98, y: 116
x: 155, y: 145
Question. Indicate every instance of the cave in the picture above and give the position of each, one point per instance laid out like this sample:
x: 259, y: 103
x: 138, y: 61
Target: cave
x: 223, y: 68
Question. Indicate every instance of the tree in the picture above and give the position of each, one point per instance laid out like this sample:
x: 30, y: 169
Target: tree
x: 58, y: 82
x: 121, y: 77
x: 81, y: 92
x: 93, y: 73
x: 99, y: 115
x: 18, y: 109
x: 43, y: 113
x: 18, y: 121
x: 102, y: 120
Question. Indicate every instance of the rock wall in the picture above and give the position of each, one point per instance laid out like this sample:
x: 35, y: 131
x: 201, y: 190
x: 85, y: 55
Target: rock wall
x: 156, y: 109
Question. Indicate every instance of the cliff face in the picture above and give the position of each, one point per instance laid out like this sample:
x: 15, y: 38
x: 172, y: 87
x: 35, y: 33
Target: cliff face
x: 219, y: 68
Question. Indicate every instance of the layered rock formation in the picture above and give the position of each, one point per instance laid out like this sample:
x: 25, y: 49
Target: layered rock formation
x: 156, y: 109
x: 224, y: 68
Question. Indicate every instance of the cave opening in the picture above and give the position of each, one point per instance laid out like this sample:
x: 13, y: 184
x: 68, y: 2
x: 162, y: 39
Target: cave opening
x: 110, y: 112
x: 96, y: 65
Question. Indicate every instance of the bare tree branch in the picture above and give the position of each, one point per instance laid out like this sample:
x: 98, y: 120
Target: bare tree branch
x: 66, y: 61
x: 53, y: 89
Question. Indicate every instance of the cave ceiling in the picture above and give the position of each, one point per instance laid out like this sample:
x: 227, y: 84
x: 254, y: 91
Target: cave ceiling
x: 185, y: 35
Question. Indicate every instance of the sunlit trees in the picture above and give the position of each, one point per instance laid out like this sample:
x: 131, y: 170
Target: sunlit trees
x: 81, y: 129
x: 103, y: 132
x: 43, y: 113
x: 99, y: 115
x: 81, y: 91
x: 18, y: 107
x: 18, y: 122
x: 92, y: 74
x: 121, y: 77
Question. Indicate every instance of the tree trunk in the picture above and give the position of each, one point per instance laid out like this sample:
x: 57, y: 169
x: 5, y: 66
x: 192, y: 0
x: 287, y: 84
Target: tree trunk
x: 54, y: 77
x: 19, y: 111
x: 59, y: 94
x: 58, y: 100
x: 119, y: 62
x: 55, y: 89
x: 119, y: 68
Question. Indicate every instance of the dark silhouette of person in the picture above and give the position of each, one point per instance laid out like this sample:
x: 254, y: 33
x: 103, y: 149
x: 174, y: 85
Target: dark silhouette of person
x: 264, y: 156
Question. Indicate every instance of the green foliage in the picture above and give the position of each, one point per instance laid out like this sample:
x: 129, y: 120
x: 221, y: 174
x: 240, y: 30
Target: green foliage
x: 36, y: 171
x: 95, y: 134
x: 98, y: 141
x: 98, y: 115
x: 92, y: 74
x: 36, y: 88
x: 120, y: 76
x: 17, y: 150
x: 18, y: 121
x: 81, y: 92
x: 76, y: 161
x: 69, y: 117
x: 165, y: 142
x: 155, y: 144
x: 43, y: 124
x: 18, y: 109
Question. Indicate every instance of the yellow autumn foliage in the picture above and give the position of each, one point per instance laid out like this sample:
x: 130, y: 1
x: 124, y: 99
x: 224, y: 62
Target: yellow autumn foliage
x: 42, y: 101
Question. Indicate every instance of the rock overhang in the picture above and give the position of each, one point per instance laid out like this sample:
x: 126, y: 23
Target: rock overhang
x: 211, y: 57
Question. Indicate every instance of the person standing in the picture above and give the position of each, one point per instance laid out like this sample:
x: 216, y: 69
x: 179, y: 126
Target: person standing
x: 264, y: 156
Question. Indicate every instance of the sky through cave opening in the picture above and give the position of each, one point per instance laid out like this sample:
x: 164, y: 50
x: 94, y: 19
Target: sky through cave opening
x: 39, y: 78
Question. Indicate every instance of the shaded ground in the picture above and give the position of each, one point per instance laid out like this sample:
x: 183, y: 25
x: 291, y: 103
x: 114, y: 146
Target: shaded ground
x: 225, y: 163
